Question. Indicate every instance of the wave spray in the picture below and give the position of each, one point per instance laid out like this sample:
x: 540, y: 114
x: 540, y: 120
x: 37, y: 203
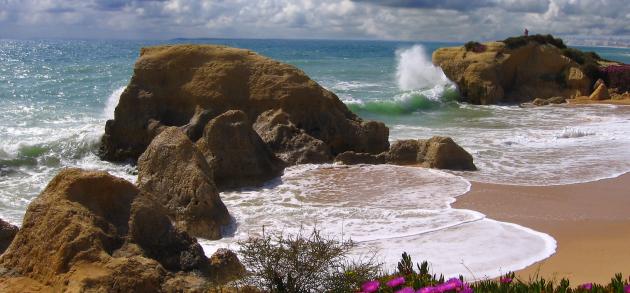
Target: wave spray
x: 415, y: 71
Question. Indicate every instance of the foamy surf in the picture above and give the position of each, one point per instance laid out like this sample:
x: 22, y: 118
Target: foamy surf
x: 35, y: 149
x: 532, y: 146
x: 386, y: 209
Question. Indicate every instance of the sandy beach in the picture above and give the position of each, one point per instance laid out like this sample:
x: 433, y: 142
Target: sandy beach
x: 590, y: 221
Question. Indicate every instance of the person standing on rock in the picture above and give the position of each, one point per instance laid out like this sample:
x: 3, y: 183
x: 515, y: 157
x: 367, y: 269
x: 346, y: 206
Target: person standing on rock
x: 526, y: 32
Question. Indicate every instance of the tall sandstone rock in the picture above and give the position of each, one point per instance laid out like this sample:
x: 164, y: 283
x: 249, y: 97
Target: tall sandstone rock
x: 177, y: 175
x: 186, y: 85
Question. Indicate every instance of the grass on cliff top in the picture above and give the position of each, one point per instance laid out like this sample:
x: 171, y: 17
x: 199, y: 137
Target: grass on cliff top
x: 315, y: 263
x: 516, y: 42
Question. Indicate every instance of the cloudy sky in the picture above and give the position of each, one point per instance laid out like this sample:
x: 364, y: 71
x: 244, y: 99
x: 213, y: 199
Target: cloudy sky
x: 446, y: 20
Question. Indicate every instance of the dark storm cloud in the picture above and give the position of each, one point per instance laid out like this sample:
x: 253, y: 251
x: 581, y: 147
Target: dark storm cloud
x: 537, y: 6
x: 460, y: 5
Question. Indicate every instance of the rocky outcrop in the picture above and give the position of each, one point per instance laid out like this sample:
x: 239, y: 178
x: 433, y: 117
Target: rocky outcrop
x: 177, y: 175
x: 225, y: 266
x: 552, y: 100
x: 290, y: 143
x: 7, y: 233
x: 237, y: 155
x: 502, y: 74
x: 186, y: 85
x: 90, y: 231
x: 600, y: 93
x: 436, y: 152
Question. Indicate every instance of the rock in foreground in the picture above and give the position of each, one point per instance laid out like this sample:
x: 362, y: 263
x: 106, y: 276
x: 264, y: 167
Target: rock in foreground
x: 174, y: 172
x: 90, y: 231
x: 7, y: 233
x: 186, y: 85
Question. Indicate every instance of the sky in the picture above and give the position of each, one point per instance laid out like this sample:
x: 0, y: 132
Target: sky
x: 440, y: 20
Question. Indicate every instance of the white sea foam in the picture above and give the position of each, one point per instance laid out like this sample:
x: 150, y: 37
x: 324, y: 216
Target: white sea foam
x: 416, y: 71
x: 536, y: 146
x: 112, y: 102
x: 386, y: 208
x: 353, y: 85
x: 34, y: 150
x: 570, y: 132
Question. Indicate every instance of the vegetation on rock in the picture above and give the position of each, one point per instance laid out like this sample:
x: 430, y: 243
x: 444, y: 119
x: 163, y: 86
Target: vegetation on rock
x: 516, y: 42
x: 475, y: 47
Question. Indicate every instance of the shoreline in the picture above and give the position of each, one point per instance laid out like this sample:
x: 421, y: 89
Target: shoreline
x: 589, y: 221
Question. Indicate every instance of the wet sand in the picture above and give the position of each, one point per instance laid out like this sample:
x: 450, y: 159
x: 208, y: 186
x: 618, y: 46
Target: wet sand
x: 590, y: 222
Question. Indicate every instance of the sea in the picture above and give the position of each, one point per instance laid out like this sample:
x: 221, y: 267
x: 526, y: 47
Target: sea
x: 55, y: 96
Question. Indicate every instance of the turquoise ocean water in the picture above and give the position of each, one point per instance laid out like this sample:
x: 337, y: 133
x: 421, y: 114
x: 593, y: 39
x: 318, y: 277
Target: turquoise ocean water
x: 55, y: 96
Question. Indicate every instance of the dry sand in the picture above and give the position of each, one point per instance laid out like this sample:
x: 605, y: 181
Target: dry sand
x: 590, y: 222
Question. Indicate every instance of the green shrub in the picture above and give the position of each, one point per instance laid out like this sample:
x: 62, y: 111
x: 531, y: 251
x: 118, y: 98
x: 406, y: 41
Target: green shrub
x: 299, y: 263
x: 516, y: 42
x: 475, y: 47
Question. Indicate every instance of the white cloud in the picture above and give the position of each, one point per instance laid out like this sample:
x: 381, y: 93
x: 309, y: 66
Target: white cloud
x: 454, y: 20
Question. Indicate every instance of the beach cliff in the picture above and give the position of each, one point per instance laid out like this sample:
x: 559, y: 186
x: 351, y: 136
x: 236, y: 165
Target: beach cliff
x: 524, y: 69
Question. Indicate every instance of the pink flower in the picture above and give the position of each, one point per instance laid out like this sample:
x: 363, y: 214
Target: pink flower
x: 426, y: 290
x: 370, y: 286
x: 505, y: 280
x: 586, y: 286
x: 395, y: 282
x: 406, y: 290
x: 450, y: 285
x: 626, y: 289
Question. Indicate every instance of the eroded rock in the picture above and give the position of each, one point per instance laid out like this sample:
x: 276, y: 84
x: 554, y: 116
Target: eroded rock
x: 600, y: 93
x: 290, y: 143
x: 436, y: 152
x: 175, y: 173
x: 7, y: 233
x: 236, y: 154
x: 90, y: 231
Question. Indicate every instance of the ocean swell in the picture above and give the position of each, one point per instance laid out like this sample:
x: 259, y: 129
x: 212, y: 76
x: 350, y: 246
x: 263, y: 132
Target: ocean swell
x: 420, y: 86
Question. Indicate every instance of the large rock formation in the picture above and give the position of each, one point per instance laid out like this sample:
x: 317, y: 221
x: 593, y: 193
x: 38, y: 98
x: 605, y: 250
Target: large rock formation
x: 7, y: 233
x: 437, y: 152
x: 517, y: 73
x: 174, y: 172
x: 90, y: 231
x: 237, y: 155
x: 189, y: 84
